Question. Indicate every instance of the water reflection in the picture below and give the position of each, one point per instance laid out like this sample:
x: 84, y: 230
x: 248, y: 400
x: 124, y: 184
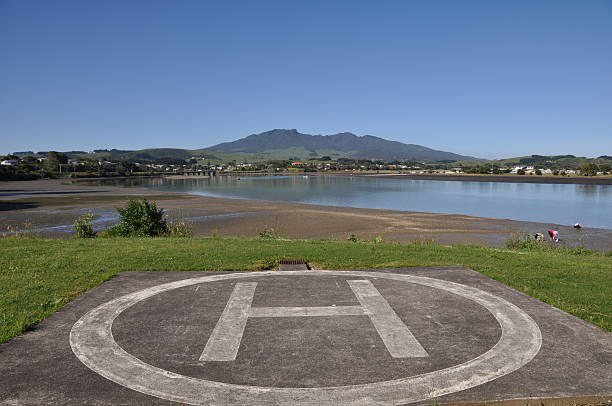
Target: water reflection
x: 591, y: 191
x: 591, y: 205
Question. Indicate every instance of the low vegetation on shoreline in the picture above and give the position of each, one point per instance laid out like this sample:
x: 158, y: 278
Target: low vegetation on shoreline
x: 39, y: 276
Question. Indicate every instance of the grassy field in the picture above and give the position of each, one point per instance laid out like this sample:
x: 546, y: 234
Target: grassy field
x: 39, y: 276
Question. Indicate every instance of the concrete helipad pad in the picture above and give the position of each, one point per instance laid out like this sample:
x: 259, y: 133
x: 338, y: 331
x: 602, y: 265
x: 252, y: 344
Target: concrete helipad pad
x: 396, y: 336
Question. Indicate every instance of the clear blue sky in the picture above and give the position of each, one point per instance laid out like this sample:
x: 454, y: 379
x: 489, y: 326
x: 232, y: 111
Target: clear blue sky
x: 485, y: 78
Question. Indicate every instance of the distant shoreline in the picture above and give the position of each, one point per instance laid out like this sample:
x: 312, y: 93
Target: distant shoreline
x: 574, y: 180
x: 582, y: 180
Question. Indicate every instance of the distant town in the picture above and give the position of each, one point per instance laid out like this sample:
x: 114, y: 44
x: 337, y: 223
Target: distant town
x: 77, y: 164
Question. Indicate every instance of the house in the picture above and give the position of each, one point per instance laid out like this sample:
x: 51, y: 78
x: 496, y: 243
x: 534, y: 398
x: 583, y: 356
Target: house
x: 529, y: 170
x: 9, y: 162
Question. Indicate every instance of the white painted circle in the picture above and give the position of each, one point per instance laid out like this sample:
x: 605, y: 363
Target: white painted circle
x: 92, y: 342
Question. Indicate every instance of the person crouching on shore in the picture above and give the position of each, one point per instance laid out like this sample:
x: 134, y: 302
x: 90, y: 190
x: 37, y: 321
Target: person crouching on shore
x: 554, y: 234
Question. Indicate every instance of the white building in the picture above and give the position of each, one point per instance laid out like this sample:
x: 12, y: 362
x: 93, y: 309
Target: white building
x: 529, y: 170
x: 9, y: 162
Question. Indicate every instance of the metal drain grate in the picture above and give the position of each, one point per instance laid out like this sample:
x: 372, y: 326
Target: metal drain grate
x: 292, y: 261
x: 293, y: 265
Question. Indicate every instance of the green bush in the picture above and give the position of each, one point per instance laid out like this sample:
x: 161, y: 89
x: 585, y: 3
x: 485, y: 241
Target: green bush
x: 269, y: 234
x: 139, y: 218
x: 83, y: 228
x: 517, y: 241
x: 589, y: 169
x: 352, y: 238
x: 114, y: 231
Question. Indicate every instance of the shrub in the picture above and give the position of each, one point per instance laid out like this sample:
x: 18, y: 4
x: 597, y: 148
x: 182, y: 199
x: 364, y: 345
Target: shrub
x: 352, y: 238
x: 589, y: 169
x: 268, y: 234
x: 517, y: 241
x: 378, y: 239
x: 114, y: 231
x: 139, y: 218
x: 83, y: 228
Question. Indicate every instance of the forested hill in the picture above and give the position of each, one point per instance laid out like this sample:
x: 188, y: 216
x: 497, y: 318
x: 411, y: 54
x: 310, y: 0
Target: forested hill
x: 282, y: 142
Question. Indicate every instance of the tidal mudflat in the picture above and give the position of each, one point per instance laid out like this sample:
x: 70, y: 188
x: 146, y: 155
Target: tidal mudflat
x: 590, y: 205
x: 49, y: 207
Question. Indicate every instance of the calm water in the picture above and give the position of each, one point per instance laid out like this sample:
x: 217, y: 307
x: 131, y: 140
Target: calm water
x: 591, y: 205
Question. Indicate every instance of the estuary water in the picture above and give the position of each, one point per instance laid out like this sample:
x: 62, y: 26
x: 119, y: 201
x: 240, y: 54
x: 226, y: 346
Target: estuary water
x: 566, y: 204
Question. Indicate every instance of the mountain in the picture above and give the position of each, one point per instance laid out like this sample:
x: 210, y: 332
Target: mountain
x: 295, y: 144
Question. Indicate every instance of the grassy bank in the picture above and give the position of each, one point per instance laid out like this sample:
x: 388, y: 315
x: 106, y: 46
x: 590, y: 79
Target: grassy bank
x: 38, y: 276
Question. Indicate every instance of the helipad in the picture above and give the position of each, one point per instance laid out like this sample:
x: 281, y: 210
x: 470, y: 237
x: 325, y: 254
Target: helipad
x: 305, y: 337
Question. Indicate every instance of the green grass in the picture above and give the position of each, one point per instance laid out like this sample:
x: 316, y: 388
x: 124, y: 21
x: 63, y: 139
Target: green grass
x: 39, y: 276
